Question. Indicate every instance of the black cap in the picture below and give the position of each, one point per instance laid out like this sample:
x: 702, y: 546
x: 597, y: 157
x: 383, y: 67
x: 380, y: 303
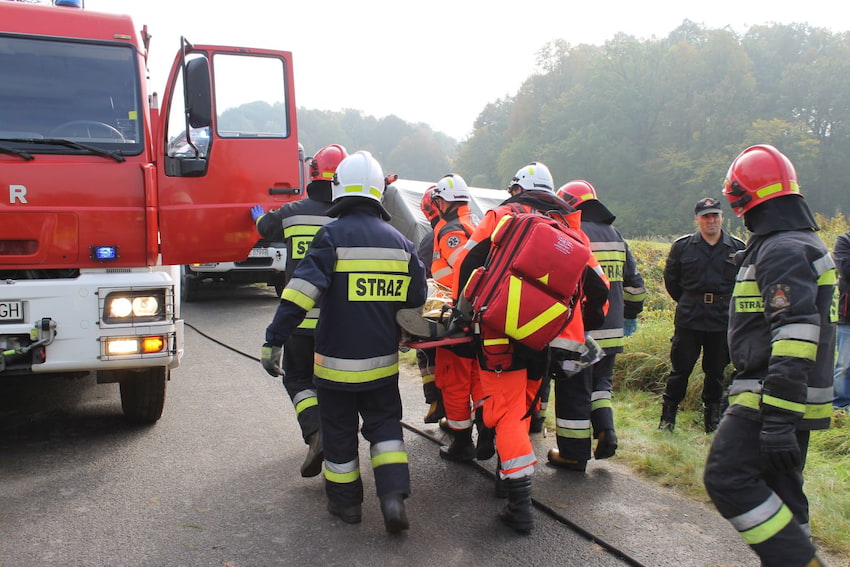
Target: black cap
x: 707, y: 205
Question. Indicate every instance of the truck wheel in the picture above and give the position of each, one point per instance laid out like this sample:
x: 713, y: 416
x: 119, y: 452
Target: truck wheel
x: 143, y: 394
x: 188, y: 285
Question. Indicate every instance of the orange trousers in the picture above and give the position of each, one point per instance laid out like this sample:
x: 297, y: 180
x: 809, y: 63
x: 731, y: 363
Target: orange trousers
x: 459, y: 380
x: 507, y: 397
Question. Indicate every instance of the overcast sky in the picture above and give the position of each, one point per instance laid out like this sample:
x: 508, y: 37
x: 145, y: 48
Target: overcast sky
x: 435, y: 62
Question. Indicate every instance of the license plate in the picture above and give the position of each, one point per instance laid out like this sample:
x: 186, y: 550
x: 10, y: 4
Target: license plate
x: 11, y: 311
x: 258, y: 253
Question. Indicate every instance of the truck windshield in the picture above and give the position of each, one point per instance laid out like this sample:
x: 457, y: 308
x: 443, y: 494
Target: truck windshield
x: 53, y: 92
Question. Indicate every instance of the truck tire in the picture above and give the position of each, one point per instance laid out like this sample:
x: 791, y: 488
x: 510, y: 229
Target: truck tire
x: 143, y: 394
x: 189, y: 285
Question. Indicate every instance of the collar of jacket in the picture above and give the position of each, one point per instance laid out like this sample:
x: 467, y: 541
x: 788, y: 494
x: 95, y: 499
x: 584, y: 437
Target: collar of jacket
x: 595, y: 211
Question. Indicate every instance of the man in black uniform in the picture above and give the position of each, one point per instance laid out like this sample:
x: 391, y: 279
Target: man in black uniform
x: 299, y: 222
x: 699, y: 276
x: 782, y: 343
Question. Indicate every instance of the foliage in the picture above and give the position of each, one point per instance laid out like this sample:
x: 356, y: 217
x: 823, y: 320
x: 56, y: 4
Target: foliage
x: 655, y: 123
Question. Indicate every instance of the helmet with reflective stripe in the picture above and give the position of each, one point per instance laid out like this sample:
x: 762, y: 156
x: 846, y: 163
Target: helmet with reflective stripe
x: 452, y: 188
x: 534, y: 176
x: 323, y: 165
x: 758, y: 174
x: 577, y: 191
x: 429, y: 209
x: 359, y: 175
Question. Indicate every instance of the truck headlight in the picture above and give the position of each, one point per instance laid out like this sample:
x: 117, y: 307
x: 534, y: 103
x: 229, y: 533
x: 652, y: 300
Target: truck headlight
x: 134, y: 306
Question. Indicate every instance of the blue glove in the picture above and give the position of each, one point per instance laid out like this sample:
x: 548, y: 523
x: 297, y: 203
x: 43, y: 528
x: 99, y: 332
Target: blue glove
x: 271, y: 359
x: 629, y: 327
x: 257, y: 211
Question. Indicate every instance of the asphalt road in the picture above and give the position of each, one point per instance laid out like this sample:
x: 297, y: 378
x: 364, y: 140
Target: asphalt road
x: 216, y: 483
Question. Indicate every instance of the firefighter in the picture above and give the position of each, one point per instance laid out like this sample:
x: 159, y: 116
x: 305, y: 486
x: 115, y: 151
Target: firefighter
x: 782, y: 344
x: 361, y: 271
x: 508, y: 393
x: 426, y: 357
x: 699, y: 274
x: 456, y: 370
x: 299, y: 221
x: 625, y: 302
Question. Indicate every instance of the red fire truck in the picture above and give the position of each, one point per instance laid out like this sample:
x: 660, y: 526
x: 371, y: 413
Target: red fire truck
x: 103, y: 197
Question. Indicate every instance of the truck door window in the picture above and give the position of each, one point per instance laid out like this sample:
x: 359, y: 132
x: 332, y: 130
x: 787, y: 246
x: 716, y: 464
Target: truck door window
x: 250, y: 94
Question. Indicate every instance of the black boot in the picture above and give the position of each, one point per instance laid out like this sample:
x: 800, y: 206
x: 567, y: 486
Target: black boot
x: 536, y: 423
x: 461, y: 449
x: 606, y: 446
x: 485, y: 445
x: 668, y: 416
x: 711, y: 414
x: 517, y: 512
x: 395, y: 516
x: 348, y: 514
x: 312, y: 464
x: 435, y: 413
x: 499, y: 490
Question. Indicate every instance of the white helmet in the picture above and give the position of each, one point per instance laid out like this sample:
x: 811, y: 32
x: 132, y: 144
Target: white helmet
x: 534, y: 176
x: 452, y: 188
x: 359, y: 175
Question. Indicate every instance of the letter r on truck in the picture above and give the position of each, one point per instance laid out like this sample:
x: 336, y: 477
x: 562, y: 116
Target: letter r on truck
x: 17, y: 193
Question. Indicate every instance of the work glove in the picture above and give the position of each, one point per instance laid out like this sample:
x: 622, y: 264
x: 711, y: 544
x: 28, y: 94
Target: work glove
x: 257, y: 211
x: 271, y: 359
x: 629, y: 327
x: 779, y: 448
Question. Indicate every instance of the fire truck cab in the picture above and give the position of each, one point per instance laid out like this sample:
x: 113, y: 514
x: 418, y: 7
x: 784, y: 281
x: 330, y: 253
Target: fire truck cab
x: 103, y: 197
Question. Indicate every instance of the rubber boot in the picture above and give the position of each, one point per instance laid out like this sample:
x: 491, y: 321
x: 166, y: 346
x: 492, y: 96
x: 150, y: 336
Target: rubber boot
x: 536, y: 423
x: 312, y: 464
x: 348, y: 514
x: 517, y: 512
x: 711, y: 414
x: 436, y: 412
x: 668, y: 416
x: 461, y: 449
x: 606, y: 446
x: 499, y: 490
x: 395, y: 516
x: 485, y: 445
x: 555, y: 459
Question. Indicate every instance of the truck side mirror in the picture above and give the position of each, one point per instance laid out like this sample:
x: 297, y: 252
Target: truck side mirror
x: 199, y: 92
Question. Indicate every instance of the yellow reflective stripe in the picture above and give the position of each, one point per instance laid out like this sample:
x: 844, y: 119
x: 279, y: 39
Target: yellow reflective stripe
x: 768, y: 529
x: 500, y: 341
x: 746, y: 399
x: 818, y: 411
x: 634, y: 294
x: 747, y: 288
x: 389, y: 458
x: 601, y: 403
x: 796, y: 349
x: 611, y: 343
x: 573, y: 428
x: 342, y: 472
x: 502, y: 222
x: 370, y: 266
x: 298, y: 298
x: 374, y: 191
x: 776, y: 188
x: 308, y: 323
x: 300, y: 230
x: 614, y: 256
x: 749, y: 305
x: 768, y: 400
x: 828, y: 278
x: 355, y: 371
x: 306, y: 403
x: 512, y: 327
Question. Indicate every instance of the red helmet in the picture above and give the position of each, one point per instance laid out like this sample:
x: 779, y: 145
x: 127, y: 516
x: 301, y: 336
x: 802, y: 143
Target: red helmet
x: 323, y: 165
x: 759, y: 174
x: 429, y: 209
x: 577, y: 191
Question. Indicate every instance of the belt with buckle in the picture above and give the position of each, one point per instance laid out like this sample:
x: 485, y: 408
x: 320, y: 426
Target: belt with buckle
x: 710, y: 297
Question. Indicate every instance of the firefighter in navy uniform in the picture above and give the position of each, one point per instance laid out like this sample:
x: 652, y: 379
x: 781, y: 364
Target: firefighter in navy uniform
x: 299, y: 221
x: 782, y: 343
x: 625, y: 302
x: 699, y: 275
x: 360, y: 271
